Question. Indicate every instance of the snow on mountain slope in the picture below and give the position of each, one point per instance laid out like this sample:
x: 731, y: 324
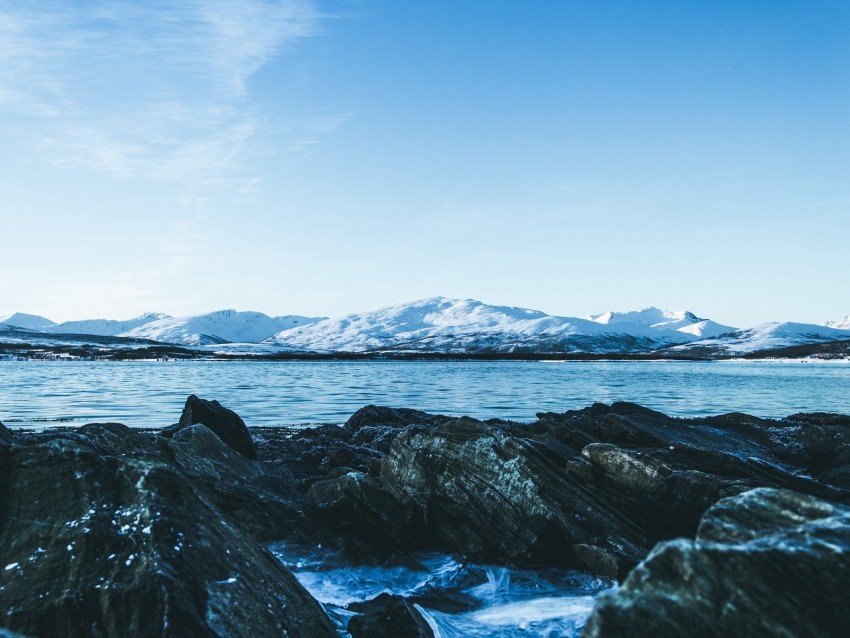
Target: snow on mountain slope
x: 419, y: 325
x: 439, y: 324
x: 841, y: 324
x: 23, y: 320
x: 766, y: 336
x: 104, y: 327
x: 222, y: 326
x: 663, y: 320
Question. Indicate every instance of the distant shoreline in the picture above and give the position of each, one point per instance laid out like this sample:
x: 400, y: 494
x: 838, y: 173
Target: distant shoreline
x: 26, y: 352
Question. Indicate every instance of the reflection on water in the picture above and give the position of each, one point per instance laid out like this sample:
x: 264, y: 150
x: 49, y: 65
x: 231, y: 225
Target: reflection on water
x: 458, y: 600
x: 151, y: 394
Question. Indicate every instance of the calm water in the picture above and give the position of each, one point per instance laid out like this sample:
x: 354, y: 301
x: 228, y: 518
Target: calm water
x: 152, y: 393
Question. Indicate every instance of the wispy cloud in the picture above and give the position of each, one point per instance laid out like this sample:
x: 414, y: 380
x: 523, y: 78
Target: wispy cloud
x: 309, y: 133
x: 158, y: 89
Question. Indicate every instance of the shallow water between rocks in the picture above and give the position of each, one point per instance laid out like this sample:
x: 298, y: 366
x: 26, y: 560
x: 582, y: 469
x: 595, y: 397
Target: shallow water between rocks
x: 457, y: 599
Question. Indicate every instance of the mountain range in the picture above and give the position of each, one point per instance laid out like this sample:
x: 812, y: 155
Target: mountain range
x: 433, y: 325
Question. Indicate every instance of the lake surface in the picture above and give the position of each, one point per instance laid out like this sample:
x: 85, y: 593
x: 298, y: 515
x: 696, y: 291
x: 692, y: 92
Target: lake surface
x: 151, y: 394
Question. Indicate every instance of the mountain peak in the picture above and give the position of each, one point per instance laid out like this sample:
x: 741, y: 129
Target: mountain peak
x: 841, y: 324
x: 23, y: 320
x: 219, y: 326
x: 443, y: 324
x: 647, y: 316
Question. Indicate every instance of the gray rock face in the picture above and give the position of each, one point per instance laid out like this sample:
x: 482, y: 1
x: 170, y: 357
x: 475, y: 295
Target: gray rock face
x: 494, y: 496
x: 596, y: 488
x: 260, y: 497
x: 765, y: 563
x: 101, y: 535
x: 227, y: 425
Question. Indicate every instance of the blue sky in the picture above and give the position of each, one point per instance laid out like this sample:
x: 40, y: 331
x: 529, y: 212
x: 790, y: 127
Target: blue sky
x: 327, y: 157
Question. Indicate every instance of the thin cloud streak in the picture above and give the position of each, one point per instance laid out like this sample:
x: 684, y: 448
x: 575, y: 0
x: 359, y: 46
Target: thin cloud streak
x: 154, y: 90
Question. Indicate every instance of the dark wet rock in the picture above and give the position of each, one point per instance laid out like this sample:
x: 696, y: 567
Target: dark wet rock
x: 388, y: 616
x: 6, y: 436
x: 593, y: 488
x: 823, y: 446
x: 227, y: 425
x: 596, y: 488
x: 101, y: 535
x: 313, y: 454
x: 369, y: 520
x: 628, y: 469
x: 261, y: 498
x: 376, y: 415
x: 492, y: 496
x: 764, y: 563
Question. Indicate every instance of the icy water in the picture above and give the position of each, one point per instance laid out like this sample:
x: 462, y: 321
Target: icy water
x: 458, y: 600
x: 151, y: 394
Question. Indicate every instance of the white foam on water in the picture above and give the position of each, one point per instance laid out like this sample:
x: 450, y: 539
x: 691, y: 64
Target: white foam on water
x: 543, y: 617
x: 505, y: 602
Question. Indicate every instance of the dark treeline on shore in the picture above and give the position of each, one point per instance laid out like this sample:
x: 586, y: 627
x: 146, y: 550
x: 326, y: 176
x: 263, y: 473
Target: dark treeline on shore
x: 824, y: 351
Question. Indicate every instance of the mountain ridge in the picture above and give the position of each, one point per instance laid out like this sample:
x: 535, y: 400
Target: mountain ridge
x: 468, y: 325
x: 445, y: 325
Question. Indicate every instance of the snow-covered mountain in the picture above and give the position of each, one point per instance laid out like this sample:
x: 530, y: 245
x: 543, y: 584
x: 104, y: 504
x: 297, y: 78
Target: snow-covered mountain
x: 841, y: 324
x: 103, y: 327
x: 222, y: 326
x: 663, y: 320
x: 765, y: 336
x: 23, y: 320
x: 439, y: 324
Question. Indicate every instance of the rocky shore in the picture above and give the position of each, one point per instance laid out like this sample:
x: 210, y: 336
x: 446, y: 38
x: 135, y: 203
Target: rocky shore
x: 729, y: 525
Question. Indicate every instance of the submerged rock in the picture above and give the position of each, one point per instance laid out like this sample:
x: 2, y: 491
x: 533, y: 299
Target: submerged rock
x: 100, y: 535
x: 388, y: 616
x: 227, y: 425
x: 764, y: 563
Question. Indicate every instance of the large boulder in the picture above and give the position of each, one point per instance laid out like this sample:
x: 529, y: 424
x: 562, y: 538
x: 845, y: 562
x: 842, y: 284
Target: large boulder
x: 357, y: 514
x: 100, y: 535
x: 766, y: 562
x: 260, y: 498
x: 227, y: 425
x: 663, y: 473
x: 493, y: 496
x: 594, y: 488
